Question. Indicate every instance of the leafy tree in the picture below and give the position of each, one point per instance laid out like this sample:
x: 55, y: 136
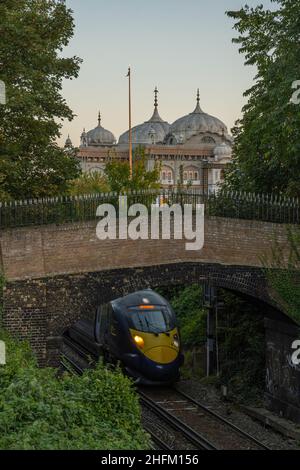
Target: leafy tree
x: 33, y: 35
x: 267, y: 137
x: 284, y: 274
x: 118, y: 174
x: 88, y: 183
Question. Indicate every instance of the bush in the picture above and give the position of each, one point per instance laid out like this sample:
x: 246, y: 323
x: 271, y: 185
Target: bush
x: 39, y: 411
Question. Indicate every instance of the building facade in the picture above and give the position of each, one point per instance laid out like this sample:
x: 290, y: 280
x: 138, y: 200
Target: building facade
x: 193, y: 151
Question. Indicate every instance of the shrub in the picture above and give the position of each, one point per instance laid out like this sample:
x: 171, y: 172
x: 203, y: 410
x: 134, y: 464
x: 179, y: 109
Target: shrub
x: 39, y: 411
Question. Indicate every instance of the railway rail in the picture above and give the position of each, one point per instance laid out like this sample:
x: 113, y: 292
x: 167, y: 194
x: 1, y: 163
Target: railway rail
x: 176, y: 423
x: 199, y: 426
x: 206, y: 426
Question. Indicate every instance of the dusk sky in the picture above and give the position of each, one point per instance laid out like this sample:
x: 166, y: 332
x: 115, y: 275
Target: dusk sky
x: 173, y: 44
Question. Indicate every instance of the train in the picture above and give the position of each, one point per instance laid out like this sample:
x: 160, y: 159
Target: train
x: 140, y: 331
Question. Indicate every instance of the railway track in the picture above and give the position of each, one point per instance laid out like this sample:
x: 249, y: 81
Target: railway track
x: 70, y: 365
x: 194, y: 437
x: 206, y: 429
x: 195, y: 424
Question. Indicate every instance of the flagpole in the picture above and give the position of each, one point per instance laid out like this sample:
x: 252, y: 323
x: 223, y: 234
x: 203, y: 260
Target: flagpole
x: 130, y: 128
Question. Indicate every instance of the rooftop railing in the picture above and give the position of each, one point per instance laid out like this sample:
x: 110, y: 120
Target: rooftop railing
x: 236, y: 205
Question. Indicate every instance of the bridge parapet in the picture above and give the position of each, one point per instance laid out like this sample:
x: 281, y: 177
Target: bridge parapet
x: 50, y: 250
x: 225, y: 204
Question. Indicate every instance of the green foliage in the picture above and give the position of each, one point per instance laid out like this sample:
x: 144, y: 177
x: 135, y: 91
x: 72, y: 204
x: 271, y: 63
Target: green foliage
x: 284, y: 274
x: 267, y: 138
x: 88, y: 183
x: 118, y: 174
x: 187, y: 303
x: 39, y: 411
x: 33, y: 35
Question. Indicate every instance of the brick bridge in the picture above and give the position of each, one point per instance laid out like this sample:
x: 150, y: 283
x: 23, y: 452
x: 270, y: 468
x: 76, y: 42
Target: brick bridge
x: 57, y: 274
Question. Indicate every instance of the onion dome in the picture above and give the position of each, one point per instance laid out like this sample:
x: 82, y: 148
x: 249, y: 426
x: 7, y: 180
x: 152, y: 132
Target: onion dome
x: 68, y: 144
x: 100, y: 137
x: 195, y: 123
x: 150, y: 132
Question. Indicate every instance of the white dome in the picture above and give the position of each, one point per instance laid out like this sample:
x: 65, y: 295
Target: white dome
x: 100, y: 136
x: 197, y: 123
x: 150, y: 132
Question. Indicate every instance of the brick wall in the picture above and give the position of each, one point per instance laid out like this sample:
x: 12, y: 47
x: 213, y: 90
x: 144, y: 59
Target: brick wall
x: 52, y: 250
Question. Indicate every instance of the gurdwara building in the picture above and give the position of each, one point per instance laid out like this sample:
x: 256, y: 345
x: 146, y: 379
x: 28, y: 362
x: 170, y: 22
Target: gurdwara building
x: 193, y: 151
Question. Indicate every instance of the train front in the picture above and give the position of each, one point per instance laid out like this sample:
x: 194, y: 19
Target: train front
x: 155, y: 351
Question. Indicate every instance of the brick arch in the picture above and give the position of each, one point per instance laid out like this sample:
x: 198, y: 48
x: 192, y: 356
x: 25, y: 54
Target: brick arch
x: 91, y: 289
x: 42, y: 309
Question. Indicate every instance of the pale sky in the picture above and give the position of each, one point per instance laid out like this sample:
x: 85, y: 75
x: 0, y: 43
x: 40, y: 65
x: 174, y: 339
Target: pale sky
x: 176, y: 45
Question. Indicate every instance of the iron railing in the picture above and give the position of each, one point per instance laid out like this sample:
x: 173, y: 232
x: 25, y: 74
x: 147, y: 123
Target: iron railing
x: 236, y: 205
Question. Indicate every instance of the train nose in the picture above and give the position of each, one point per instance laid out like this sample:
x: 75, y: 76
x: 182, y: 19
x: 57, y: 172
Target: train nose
x: 162, y: 354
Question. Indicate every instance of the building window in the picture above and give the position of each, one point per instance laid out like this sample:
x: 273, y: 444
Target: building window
x: 208, y: 140
x: 196, y: 176
x: 164, y: 175
x: 191, y: 175
x: 170, y: 176
x: 185, y: 176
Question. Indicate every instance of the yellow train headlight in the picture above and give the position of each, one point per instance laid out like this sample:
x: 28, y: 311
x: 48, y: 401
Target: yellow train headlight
x: 139, y: 341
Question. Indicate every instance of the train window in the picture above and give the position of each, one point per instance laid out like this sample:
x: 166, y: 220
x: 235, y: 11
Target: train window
x: 113, y: 321
x: 152, y: 321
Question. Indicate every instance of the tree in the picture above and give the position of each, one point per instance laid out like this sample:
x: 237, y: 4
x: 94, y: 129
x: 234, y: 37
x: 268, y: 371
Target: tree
x: 118, y: 174
x: 33, y: 35
x: 89, y: 184
x: 267, y: 137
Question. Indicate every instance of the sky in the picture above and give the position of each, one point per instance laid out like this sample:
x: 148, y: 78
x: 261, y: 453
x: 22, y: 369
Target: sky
x: 176, y: 45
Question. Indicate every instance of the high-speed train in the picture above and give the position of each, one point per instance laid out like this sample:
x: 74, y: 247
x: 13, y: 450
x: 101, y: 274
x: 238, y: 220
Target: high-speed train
x: 140, y: 331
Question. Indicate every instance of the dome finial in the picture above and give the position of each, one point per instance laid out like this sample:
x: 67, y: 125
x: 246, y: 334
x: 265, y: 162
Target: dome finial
x: 198, y: 109
x: 99, y: 119
x: 156, y: 117
x: 156, y: 97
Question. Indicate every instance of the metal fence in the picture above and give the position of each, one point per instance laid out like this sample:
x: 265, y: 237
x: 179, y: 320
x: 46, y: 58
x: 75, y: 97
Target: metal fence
x: 236, y: 205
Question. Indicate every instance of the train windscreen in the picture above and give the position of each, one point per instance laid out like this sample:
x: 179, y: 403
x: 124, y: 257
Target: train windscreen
x: 152, y: 321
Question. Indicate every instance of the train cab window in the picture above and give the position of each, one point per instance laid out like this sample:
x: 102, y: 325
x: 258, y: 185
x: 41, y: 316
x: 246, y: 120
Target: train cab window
x: 151, y: 321
x: 102, y: 322
x: 112, y: 322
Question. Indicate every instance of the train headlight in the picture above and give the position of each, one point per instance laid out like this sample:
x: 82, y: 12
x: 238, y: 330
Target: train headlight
x: 139, y: 341
x: 175, y: 342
